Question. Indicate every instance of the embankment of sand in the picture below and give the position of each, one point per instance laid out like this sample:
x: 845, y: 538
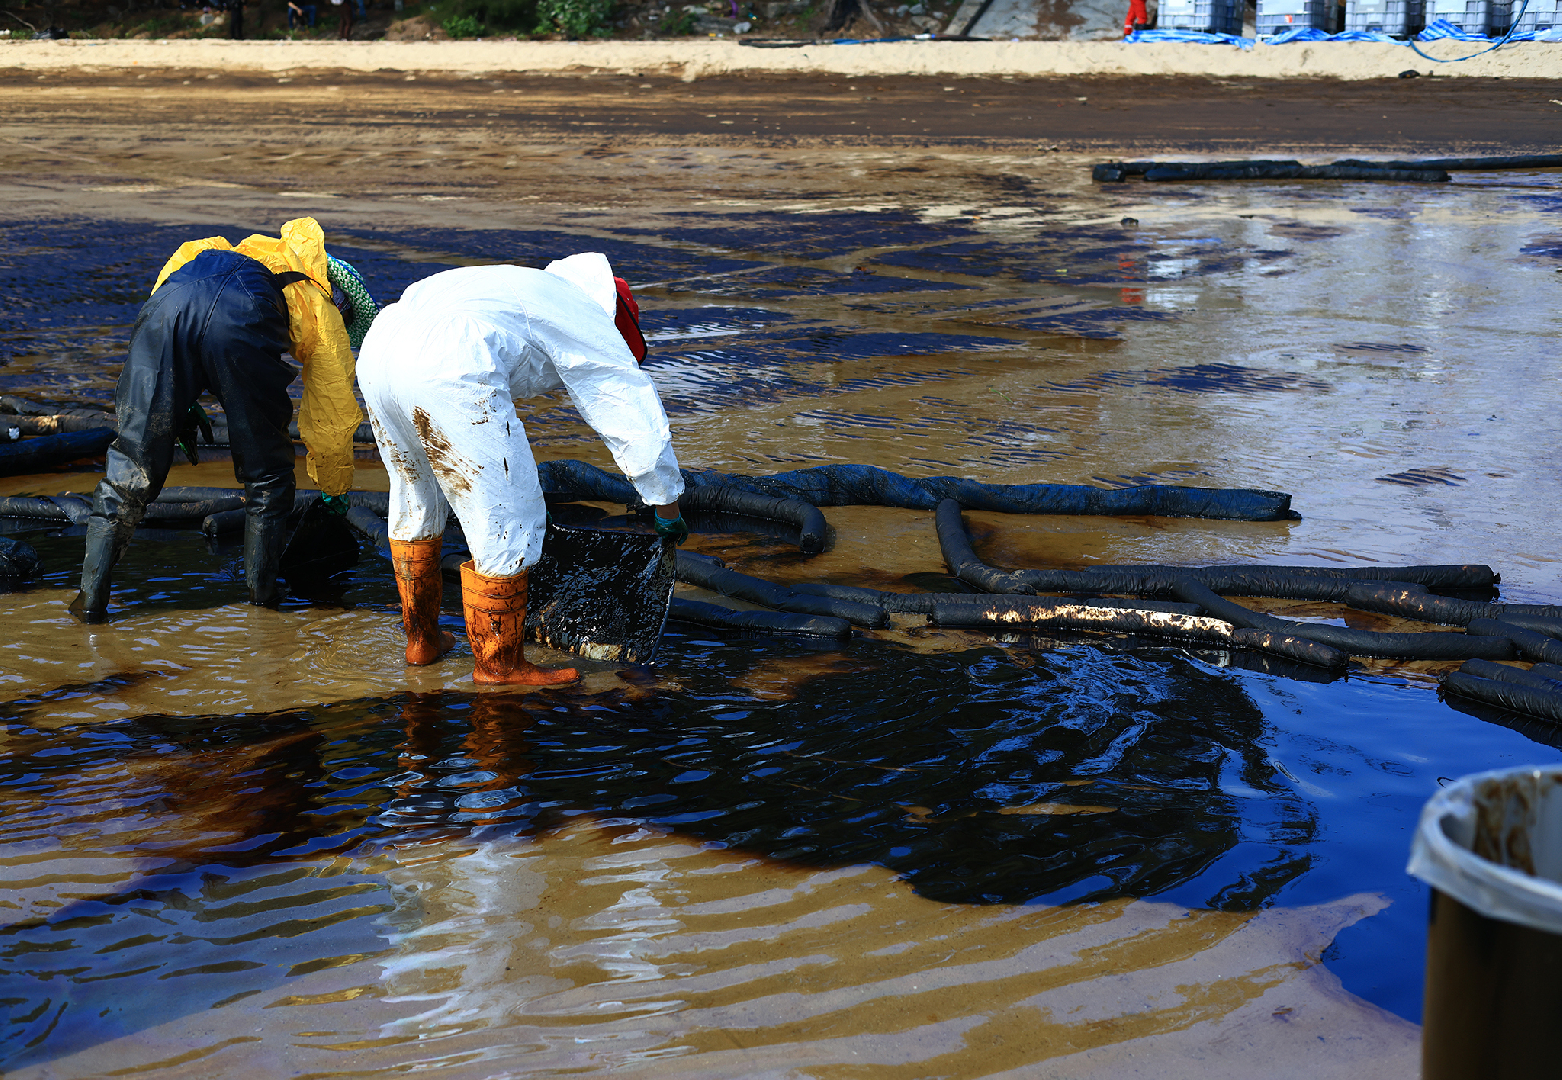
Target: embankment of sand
x: 695, y: 59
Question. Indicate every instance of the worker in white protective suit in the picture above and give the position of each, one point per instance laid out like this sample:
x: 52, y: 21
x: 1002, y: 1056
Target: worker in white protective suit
x: 441, y: 372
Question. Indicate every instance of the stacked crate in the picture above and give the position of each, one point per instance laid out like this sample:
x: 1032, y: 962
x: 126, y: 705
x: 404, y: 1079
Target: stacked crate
x: 1539, y: 15
x: 1398, y: 18
x: 1278, y: 16
x: 1471, y: 16
x: 1207, y: 16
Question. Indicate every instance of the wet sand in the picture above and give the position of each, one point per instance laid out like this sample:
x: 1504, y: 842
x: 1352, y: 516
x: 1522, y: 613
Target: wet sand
x: 934, y: 297
x: 171, y: 123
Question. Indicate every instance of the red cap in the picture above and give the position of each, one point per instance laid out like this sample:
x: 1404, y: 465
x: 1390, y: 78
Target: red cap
x: 628, y: 320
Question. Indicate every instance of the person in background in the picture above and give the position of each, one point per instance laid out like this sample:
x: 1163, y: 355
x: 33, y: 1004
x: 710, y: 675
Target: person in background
x: 236, y: 19
x: 300, y: 14
x: 344, y: 26
x: 1138, y: 18
x: 219, y: 320
x: 441, y: 372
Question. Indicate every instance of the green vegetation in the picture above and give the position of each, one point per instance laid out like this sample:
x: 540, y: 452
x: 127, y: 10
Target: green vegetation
x: 267, y: 19
x: 93, y: 19
x: 463, y: 26
x: 162, y: 25
x: 678, y: 23
x: 575, y: 18
x: 483, y: 18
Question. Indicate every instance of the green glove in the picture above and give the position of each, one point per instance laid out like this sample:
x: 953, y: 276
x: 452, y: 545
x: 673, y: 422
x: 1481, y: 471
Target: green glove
x: 335, y: 504
x: 195, y: 419
x: 677, y: 528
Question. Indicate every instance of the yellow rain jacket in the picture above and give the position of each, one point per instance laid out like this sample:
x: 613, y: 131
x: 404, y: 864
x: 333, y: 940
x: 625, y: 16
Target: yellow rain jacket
x: 329, y: 414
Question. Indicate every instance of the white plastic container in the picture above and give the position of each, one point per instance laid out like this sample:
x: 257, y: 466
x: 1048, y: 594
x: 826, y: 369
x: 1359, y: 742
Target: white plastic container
x: 1400, y: 18
x: 1278, y: 16
x: 1539, y: 15
x: 1472, y: 16
x: 1206, y: 16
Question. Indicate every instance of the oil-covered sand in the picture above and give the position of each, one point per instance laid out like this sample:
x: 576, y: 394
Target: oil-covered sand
x: 242, y: 842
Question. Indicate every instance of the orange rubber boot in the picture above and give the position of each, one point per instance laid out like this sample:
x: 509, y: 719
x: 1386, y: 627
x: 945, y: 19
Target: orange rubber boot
x: 495, y: 610
x: 418, y: 580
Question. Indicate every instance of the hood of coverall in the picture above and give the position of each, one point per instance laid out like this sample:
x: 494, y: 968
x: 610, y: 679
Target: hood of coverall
x: 592, y: 274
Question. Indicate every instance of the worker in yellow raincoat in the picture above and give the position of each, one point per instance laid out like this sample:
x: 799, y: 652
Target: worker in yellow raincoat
x: 219, y: 320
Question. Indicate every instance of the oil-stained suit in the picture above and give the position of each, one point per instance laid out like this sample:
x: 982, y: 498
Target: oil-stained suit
x: 441, y: 372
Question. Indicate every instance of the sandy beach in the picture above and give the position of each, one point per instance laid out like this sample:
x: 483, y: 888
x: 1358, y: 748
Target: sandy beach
x: 699, y: 59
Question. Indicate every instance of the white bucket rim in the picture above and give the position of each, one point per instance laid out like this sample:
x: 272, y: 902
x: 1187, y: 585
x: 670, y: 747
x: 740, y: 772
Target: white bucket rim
x: 1493, y: 890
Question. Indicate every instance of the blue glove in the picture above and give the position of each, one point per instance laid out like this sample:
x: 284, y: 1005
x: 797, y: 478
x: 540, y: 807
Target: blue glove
x: 677, y: 528
x: 335, y: 504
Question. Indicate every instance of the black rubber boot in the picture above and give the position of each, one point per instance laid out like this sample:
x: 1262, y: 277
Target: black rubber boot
x: 265, y: 535
x: 116, y: 511
x: 106, y: 542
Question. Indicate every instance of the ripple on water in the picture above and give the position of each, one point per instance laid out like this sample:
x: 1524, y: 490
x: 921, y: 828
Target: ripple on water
x: 611, y: 946
x: 254, y: 843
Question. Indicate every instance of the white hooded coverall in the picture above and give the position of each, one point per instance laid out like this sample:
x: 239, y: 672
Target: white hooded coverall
x: 442, y: 369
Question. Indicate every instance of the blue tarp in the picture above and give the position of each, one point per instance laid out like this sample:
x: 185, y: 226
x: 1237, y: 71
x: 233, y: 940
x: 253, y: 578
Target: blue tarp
x: 1437, y: 29
x: 1552, y: 34
x: 1192, y: 37
x: 1308, y: 33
